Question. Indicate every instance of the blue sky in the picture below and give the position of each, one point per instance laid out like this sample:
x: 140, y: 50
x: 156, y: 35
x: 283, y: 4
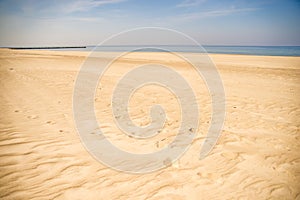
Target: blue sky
x: 88, y: 22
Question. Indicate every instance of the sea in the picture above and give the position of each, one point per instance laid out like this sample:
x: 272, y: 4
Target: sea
x: 215, y: 49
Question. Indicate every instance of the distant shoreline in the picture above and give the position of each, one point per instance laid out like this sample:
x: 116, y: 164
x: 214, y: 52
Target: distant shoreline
x: 69, y: 47
x: 235, y: 50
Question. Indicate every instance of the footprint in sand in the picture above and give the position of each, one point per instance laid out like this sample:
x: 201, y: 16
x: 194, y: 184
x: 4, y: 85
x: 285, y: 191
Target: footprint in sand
x: 50, y: 122
x: 230, y: 155
x: 33, y: 117
x: 167, y: 162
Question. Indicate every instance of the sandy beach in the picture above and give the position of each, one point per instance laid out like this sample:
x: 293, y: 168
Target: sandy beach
x: 256, y: 157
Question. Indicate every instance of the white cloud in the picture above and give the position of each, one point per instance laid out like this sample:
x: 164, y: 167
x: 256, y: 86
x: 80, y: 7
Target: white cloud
x: 190, y: 3
x: 215, y: 13
x: 54, y: 7
x: 85, y: 5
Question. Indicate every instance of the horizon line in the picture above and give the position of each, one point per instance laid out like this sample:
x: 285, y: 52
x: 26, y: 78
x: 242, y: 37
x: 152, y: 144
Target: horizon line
x: 147, y: 45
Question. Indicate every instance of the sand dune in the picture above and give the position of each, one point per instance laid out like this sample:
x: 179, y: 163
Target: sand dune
x: 256, y: 157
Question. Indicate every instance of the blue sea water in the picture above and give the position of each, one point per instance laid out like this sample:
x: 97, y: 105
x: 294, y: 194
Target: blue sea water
x: 256, y: 50
x: 243, y: 50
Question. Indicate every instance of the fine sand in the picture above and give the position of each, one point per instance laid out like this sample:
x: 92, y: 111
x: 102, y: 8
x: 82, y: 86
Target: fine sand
x: 256, y: 157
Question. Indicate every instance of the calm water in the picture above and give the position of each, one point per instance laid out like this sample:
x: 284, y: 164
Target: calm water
x: 245, y: 50
x: 256, y: 50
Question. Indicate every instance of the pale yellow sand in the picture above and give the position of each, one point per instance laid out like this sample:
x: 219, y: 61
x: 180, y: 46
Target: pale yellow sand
x: 257, y: 155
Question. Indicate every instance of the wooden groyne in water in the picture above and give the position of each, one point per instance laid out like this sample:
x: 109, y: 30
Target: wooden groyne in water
x: 69, y: 47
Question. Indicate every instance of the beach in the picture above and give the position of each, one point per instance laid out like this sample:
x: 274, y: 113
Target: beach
x: 256, y: 156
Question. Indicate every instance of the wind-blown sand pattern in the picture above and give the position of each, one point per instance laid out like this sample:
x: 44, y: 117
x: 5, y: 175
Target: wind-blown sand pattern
x: 256, y: 157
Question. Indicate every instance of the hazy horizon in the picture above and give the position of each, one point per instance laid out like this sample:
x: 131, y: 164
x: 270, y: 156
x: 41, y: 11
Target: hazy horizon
x: 149, y: 45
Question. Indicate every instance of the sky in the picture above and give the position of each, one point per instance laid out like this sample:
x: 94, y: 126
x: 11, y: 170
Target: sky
x: 89, y: 22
